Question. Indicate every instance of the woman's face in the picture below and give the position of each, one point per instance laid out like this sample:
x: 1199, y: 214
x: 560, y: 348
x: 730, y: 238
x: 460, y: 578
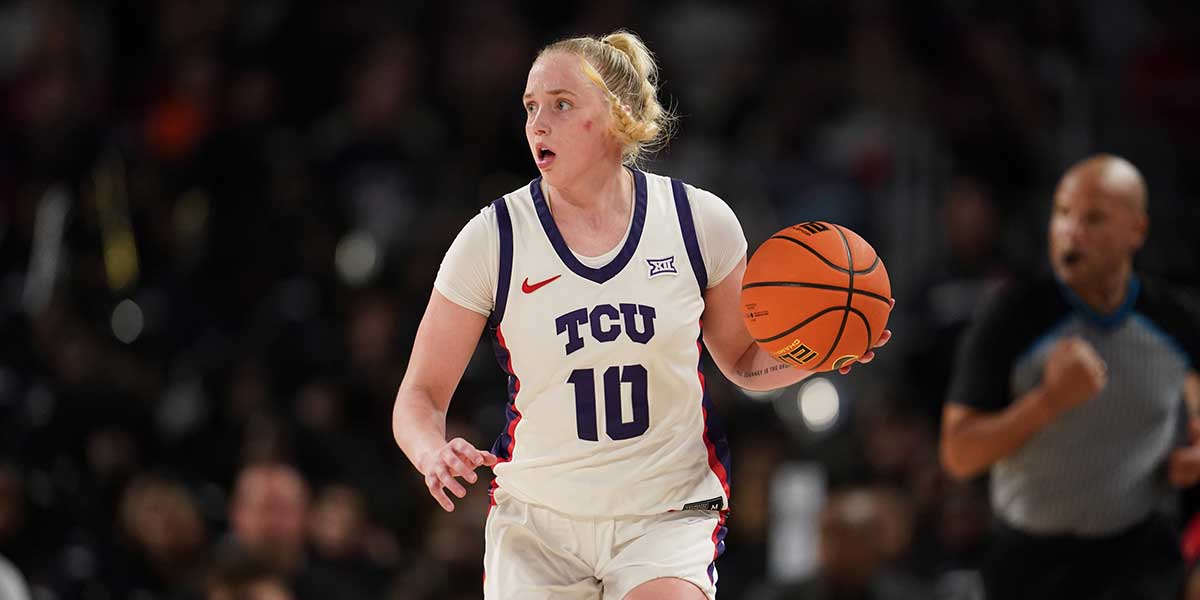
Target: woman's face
x: 568, y: 120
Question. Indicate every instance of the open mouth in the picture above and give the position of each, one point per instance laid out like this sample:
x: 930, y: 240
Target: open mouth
x: 1071, y: 258
x: 543, y: 156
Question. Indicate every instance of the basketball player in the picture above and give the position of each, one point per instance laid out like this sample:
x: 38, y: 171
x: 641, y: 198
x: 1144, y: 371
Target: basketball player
x: 1071, y: 392
x: 611, y: 476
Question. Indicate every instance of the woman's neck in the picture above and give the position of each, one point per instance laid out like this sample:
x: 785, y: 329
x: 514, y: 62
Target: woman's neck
x: 593, y: 213
x: 596, y: 195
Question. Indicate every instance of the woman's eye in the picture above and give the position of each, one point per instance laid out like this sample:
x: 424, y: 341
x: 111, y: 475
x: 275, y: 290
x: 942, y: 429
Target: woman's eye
x: 563, y: 105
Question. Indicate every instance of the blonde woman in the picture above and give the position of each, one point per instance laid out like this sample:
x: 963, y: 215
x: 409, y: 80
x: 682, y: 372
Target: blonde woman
x: 611, y: 476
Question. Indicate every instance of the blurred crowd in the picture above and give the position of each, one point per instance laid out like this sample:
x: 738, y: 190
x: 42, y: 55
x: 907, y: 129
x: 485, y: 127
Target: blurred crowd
x: 220, y: 222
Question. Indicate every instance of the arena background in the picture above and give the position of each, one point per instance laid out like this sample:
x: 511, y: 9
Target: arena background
x: 220, y: 222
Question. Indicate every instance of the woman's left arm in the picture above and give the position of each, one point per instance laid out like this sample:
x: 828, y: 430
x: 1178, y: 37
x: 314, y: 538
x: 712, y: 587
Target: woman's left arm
x: 733, y: 349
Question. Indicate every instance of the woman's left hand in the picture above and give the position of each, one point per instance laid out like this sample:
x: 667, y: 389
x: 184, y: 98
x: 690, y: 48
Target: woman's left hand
x: 870, y: 355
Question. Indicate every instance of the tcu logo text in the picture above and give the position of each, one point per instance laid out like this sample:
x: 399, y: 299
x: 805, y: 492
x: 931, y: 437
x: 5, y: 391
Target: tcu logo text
x: 607, y: 323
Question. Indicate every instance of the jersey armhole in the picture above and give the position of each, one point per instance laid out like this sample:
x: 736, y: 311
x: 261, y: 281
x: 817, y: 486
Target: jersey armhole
x: 683, y: 209
x: 504, y: 275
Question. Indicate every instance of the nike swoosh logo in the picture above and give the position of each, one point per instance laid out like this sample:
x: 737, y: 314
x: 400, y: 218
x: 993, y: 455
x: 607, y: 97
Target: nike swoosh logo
x: 529, y: 288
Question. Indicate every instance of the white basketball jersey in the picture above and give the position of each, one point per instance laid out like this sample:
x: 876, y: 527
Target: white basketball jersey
x: 607, y: 413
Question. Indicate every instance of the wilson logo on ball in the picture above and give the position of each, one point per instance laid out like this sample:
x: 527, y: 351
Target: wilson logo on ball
x: 796, y: 353
x: 811, y: 227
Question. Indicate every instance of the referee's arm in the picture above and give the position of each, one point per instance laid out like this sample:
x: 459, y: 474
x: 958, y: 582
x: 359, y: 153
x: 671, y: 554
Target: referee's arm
x: 973, y: 440
x: 1183, y: 466
x: 1183, y: 321
x: 981, y: 422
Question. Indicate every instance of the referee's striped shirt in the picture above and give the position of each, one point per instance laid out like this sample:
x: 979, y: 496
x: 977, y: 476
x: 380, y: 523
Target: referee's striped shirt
x: 1099, y: 468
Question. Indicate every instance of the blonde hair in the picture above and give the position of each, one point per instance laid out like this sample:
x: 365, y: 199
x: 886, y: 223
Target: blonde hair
x: 622, y: 67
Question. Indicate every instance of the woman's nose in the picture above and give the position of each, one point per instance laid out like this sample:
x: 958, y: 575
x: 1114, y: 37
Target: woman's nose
x: 538, y: 123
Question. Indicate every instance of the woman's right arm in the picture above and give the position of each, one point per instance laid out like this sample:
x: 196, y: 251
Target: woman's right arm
x: 445, y: 341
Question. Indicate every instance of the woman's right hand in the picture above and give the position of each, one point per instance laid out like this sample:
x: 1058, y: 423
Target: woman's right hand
x: 445, y: 341
x: 457, y: 458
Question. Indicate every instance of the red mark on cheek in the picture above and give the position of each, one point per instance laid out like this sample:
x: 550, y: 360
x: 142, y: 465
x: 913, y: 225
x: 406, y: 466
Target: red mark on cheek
x: 587, y: 125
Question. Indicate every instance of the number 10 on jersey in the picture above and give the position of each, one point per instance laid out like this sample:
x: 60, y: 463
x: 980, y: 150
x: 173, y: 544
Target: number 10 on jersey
x: 615, y: 424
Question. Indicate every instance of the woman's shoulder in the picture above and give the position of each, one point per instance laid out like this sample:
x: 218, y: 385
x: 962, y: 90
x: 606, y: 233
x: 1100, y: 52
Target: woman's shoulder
x: 519, y: 199
x: 696, y: 194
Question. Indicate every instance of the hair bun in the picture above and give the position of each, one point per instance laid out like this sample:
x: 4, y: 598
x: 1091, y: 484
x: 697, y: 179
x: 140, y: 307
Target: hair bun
x: 621, y: 65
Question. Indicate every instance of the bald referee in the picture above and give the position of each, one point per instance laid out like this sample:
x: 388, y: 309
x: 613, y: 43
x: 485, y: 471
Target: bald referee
x: 1072, y: 392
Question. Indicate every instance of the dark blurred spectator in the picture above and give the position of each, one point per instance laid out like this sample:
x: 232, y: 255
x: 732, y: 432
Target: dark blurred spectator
x: 1192, y: 586
x: 375, y: 142
x: 1164, y: 86
x: 862, y: 532
x: 962, y: 525
x: 452, y: 548
x: 969, y: 265
x: 375, y: 367
x: 165, y: 540
x: 270, y: 514
x: 953, y: 541
x: 246, y: 579
x: 339, y: 524
x: 327, y: 442
x: 57, y: 90
x: 14, y: 537
x: 183, y: 117
x: 1190, y: 549
x: 346, y: 542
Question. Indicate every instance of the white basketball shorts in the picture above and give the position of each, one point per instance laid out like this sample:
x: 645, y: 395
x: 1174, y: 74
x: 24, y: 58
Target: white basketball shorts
x: 535, y: 553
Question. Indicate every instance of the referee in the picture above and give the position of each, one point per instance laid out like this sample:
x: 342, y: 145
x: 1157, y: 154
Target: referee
x: 1071, y: 391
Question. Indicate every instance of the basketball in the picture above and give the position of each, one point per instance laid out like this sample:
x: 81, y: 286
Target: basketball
x: 816, y: 296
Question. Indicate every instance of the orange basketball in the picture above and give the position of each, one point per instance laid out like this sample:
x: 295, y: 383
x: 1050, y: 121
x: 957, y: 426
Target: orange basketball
x: 816, y: 296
